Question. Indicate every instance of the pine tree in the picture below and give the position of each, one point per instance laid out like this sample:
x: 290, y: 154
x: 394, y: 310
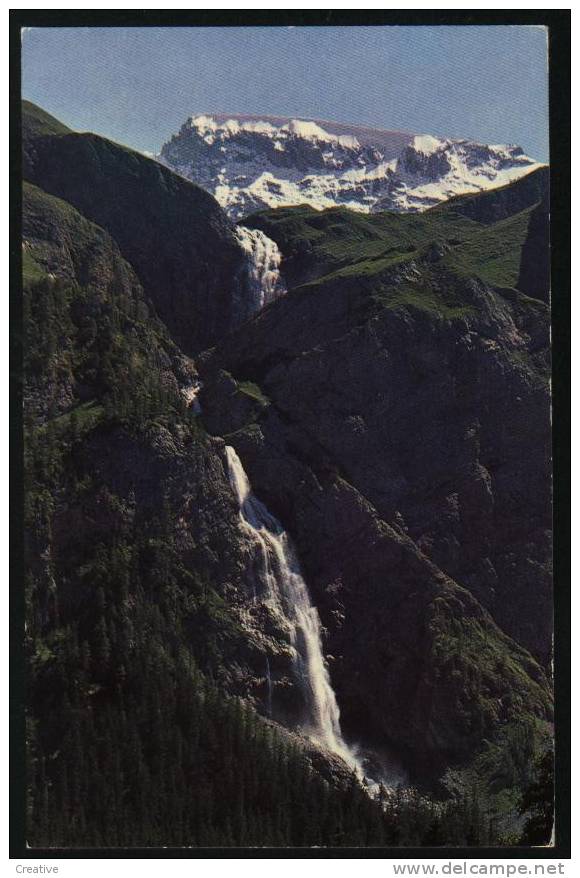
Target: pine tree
x: 538, y: 803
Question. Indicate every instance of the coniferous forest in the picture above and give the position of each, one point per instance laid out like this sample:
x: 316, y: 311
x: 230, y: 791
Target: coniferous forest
x: 163, y: 702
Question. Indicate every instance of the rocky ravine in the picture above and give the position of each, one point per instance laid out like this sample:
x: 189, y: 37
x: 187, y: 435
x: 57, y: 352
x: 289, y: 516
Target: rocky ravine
x: 399, y: 435
x: 406, y: 447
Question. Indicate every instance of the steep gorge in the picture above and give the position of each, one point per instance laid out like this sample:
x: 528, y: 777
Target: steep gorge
x: 384, y: 386
x: 395, y: 398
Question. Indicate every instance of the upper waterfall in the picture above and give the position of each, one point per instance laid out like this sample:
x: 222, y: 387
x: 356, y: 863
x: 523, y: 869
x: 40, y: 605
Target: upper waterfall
x: 287, y: 593
x: 261, y: 279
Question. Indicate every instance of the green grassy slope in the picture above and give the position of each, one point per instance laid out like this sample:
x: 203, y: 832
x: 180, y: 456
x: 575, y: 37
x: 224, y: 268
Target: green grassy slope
x: 494, y: 205
x: 38, y: 123
x: 494, y: 253
x: 481, y: 236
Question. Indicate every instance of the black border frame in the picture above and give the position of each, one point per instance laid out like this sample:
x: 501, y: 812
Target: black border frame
x: 558, y: 24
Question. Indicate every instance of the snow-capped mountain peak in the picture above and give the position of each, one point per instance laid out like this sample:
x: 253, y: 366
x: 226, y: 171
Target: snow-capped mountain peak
x: 427, y: 144
x: 252, y: 162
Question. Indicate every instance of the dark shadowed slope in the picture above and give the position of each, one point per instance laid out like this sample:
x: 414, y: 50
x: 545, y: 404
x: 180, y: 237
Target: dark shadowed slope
x: 405, y: 419
x: 392, y: 410
x: 174, y: 234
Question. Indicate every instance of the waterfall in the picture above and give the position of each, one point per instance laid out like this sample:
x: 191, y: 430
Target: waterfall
x: 287, y: 593
x: 261, y: 280
x: 190, y: 394
x: 269, y: 685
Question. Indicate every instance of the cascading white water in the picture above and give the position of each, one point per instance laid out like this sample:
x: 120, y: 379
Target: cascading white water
x: 190, y: 393
x: 262, y: 277
x: 269, y: 684
x: 288, y: 594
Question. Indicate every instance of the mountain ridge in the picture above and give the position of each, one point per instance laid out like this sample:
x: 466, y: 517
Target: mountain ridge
x: 250, y: 161
x: 370, y: 133
x: 390, y: 405
x: 103, y: 179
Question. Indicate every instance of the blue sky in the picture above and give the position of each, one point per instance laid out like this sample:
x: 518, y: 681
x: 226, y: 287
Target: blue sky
x: 138, y: 85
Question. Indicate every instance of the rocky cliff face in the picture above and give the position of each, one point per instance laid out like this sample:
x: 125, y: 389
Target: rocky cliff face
x: 389, y: 403
x: 398, y: 395
x: 131, y: 470
x: 249, y: 163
